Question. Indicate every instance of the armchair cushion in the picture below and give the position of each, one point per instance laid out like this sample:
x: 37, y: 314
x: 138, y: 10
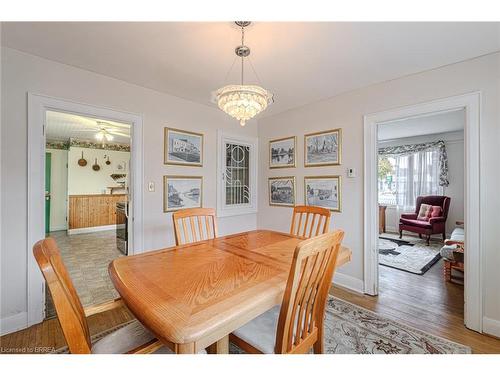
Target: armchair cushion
x: 416, y: 223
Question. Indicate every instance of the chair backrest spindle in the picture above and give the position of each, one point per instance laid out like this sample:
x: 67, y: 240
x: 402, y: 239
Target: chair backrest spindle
x: 311, y: 221
x: 189, y: 228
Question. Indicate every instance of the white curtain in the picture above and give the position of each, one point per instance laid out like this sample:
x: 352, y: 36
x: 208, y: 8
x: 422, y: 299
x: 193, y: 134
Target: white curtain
x: 416, y: 174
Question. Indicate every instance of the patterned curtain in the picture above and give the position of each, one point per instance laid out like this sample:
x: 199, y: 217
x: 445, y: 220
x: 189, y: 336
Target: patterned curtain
x: 405, y: 150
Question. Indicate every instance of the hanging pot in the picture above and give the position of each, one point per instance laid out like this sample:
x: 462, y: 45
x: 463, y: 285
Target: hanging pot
x: 96, y: 166
x: 82, y: 162
x: 108, y: 162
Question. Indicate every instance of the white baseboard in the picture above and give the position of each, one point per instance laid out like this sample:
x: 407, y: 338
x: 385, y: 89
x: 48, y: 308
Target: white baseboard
x: 13, y: 323
x: 348, y: 282
x: 95, y: 229
x: 58, y: 228
x: 491, y: 326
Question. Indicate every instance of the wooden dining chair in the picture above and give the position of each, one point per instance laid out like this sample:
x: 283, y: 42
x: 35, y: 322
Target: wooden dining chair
x: 319, y: 222
x: 297, y: 325
x: 194, y: 224
x: 132, y: 338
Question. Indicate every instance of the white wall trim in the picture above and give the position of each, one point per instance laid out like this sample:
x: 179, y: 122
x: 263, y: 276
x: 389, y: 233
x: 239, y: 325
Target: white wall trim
x: 473, y: 262
x: 491, y: 326
x: 100, y: 228
x: 13, y: 323
x: 37, y: 107
x: 349, y: 282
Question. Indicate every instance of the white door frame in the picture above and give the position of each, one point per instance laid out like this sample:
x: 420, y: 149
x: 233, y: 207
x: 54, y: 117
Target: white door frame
x: 38, y: 105
x: 473, y: 262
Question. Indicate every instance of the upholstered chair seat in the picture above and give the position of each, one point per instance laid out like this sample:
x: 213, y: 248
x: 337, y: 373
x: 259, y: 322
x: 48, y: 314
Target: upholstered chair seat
x: 261, y: 331
x: 128, y: 338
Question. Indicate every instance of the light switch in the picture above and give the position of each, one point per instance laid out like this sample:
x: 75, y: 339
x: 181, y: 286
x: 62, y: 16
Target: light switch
x: 351, y: 172
x: 151, y: 186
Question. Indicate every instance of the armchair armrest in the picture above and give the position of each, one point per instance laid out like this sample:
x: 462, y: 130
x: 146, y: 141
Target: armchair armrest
x: 437, y: 219
x: 102, y: 307
x: 409, y: 216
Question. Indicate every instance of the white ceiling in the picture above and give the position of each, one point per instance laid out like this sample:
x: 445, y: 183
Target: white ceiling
x: 443, y: 122
x: 63, y: 126
x: 300, y: 62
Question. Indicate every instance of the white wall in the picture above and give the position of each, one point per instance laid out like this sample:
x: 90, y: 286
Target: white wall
x: 22, y: 73
x: 347, y: 111
x: 454, y: 142
x: 58, y: 189
x: 84, y: 180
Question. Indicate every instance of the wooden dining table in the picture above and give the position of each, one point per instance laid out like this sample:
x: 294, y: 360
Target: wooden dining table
x: 191, y: 297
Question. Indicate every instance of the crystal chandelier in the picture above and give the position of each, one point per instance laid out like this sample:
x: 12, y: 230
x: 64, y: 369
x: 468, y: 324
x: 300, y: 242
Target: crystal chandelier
x: 243, y: 102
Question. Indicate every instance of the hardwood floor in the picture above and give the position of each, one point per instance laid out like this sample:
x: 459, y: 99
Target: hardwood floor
x: 47, y: 336
x: 425, y: 302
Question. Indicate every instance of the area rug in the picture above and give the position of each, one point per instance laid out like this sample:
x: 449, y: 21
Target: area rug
x: 350, y: 329
x: 413, y: 256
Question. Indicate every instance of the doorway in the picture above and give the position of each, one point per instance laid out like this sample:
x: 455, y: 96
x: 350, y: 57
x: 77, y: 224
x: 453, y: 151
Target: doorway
x: 39, y: 107
x: 86, y: 199
x: 469, y: 103
x: 421, y: 208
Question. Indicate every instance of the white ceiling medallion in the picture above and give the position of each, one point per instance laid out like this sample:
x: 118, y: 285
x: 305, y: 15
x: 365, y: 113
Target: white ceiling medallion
x: 243, y: 102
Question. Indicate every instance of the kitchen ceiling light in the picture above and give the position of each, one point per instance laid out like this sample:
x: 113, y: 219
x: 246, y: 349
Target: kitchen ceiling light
x: 243, y: 102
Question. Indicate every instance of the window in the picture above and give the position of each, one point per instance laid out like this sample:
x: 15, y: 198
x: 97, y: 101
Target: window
x: 237, y: 175
x: 402, y: 178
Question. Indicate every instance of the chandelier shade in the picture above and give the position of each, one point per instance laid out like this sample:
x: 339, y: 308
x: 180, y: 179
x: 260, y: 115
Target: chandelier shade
x: 243, y: 102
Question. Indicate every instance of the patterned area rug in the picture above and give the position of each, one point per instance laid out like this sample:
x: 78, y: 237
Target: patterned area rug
x: 413, y: 255
x: 350, y: 329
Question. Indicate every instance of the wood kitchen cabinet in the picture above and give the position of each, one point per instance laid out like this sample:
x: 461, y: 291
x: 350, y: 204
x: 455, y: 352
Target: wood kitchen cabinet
x: 94, y: 210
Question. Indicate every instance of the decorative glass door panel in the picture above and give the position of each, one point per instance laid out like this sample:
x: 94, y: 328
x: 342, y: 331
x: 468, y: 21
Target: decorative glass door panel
x: 237, y: 168
x: 237, y: 174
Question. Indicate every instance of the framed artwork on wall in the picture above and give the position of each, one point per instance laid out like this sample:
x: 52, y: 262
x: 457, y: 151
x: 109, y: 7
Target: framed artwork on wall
x: 323, y: 148
x: 282, y: 191
x: 182, y: 192
x: 323, y: 191
x: 183, y: 148
x: 282, y: 152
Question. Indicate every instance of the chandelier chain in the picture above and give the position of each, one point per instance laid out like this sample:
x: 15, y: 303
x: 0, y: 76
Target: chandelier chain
x: 242, y: 57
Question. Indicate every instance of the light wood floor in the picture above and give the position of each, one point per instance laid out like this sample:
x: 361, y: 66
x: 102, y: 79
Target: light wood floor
x: 424, y: 302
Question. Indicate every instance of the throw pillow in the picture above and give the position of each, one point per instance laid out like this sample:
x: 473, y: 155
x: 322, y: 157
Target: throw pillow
x: 436, y: 211
x: 424, y: 212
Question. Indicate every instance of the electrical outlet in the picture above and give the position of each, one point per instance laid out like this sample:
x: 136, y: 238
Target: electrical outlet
x: 151, y: 186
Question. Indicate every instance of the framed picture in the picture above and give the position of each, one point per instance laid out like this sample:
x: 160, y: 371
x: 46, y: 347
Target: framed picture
x: 323, y: 191
x: 282, y: 191
x: 282, y: 152
x: 182, y: 192
x: 183, y: 148
x: 323, y: 148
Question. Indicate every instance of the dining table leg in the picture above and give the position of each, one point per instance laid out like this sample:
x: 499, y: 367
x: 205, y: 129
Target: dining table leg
x: 184, y: 348
x: 219, y: 347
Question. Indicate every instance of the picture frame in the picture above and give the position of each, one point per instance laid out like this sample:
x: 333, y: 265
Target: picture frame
x: 182, y: 147
x: 282, y: 191
x: 323, y: 148
x: 283, y: 152
x: 181, y: 192
x: 323, y: 191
